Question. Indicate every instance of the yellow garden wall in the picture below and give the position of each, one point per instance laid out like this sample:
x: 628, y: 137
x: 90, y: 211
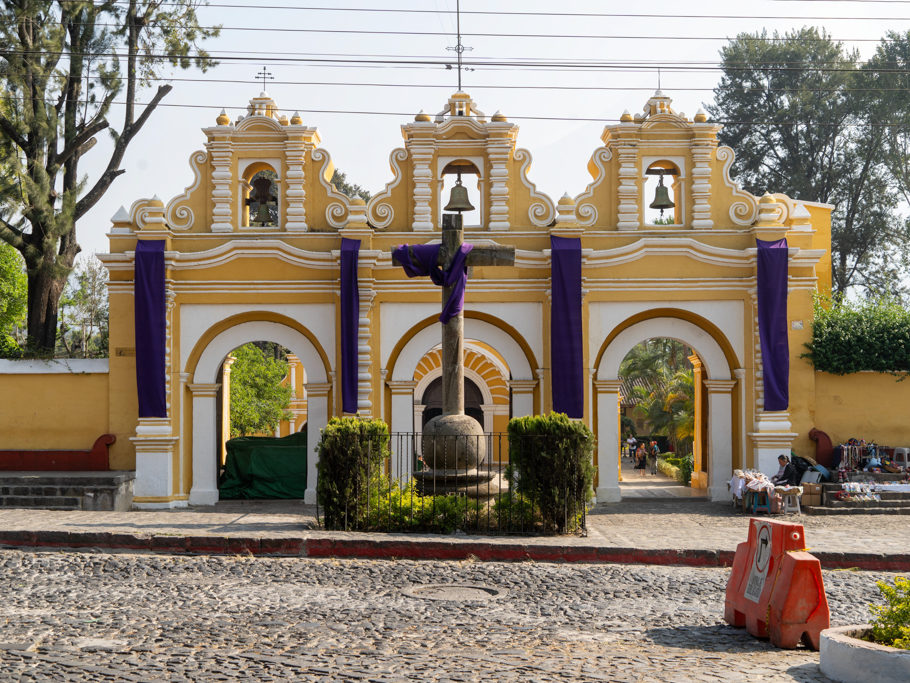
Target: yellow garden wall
x: 53, y: 404
x: 864, y: 405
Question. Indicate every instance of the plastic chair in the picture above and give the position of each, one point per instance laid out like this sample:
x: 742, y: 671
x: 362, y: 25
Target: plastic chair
x: 790, y: 501
x: 761, y: 502
x: 901, y: 457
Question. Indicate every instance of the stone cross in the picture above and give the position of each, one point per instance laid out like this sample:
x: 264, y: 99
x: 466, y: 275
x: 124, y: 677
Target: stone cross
x: 453, y: 331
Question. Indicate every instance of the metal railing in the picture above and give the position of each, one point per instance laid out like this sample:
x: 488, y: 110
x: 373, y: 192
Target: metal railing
x: 451, y: 484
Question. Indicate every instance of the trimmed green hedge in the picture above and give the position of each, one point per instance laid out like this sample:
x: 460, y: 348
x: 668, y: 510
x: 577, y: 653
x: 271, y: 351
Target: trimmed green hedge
x: 851, y: 337
x: 351, y: 454
x: 553, y: 457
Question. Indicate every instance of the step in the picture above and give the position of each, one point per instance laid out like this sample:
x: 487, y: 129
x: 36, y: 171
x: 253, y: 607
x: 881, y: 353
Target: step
x: 67, y: 490
x: 868, y: 503
x: 827, y: 510
x: 52, y: 502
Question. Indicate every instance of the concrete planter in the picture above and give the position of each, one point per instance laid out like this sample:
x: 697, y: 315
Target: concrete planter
x: 846, y: 658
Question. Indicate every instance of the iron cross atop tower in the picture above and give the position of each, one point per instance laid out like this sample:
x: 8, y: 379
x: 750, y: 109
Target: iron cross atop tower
x: 264, y: 74
x: 459, y: 48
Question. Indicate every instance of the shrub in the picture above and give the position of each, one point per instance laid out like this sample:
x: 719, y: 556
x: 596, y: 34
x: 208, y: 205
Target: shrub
x: 401, y: 508
x: 891, y: 625
x: 667, y: 468
x: 850, y: 337
x: 351, y: 453
x: 553, y: 458
x: 684, y: 475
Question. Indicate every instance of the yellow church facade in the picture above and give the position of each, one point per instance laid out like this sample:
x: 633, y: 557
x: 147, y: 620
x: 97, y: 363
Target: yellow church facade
x: 252, y: 251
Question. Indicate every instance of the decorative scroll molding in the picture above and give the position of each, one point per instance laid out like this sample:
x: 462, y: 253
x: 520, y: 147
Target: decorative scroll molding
x: 543, y: 211
x: 380, y: 212
x: 182, y: 217
x: 587, y: 211
x: 742, y: 212
x: 336, y: 212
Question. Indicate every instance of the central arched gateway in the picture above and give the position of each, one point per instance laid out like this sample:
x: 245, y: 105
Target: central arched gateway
x: 720, y: 446
x: 204, y: 388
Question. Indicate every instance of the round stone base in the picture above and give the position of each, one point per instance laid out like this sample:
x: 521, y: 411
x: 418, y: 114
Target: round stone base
x: 453, y: 442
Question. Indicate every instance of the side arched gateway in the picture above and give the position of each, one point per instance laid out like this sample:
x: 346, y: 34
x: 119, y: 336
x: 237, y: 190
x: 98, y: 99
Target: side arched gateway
x: 719, y: 384
x: 204, y: 388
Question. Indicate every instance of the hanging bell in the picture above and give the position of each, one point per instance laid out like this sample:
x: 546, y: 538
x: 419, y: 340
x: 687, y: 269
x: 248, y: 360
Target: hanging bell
x: 662, y: 197
x: 458, y: 199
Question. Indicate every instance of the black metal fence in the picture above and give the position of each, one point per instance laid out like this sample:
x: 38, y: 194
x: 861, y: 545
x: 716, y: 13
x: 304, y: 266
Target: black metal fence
x: 450, y: 484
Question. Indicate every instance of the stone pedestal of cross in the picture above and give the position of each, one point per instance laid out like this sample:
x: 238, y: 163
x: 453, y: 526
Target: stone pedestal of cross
x: 453, y: 443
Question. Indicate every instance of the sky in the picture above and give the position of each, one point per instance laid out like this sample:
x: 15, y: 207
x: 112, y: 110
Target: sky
x: 561, y: 111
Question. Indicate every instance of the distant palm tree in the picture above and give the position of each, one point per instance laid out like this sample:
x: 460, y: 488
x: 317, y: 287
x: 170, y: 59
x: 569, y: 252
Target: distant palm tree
x: 659, y: 381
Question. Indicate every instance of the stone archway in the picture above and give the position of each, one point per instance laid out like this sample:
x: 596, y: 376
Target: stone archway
x: 204, y: 389
x: 719, y: 384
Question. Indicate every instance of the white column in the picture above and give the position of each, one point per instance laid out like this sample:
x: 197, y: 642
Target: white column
x: 629, y: 211
x: 522, y: 396
x: 422, y: 155
x: 701, y: 184
x: 498, y: 154
x: 220, y: 152
x: 204, y: 490
x: 294, y: 155
x: 720, y: 437
x: 154, y: 443
x: 402, y: 423
x: 317, y: 419
x: 608, y: 440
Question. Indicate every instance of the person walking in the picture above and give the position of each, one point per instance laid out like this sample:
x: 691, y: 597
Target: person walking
x: 640, y: 457
x: 653, y: 452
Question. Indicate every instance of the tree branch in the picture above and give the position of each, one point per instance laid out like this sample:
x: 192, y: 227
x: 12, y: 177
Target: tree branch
x: 113, y: 167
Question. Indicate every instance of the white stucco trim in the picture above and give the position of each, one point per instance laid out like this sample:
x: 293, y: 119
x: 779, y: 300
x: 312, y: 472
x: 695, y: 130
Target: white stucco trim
x: 197, y: 319
x: 56, y: 366
x: 238, y: 335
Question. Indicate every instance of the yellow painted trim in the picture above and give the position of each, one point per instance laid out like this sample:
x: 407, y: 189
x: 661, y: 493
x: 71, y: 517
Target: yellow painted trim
x: 159, y: 499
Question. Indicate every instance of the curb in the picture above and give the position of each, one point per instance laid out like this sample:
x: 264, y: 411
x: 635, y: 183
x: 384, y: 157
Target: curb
x: 372, y: 548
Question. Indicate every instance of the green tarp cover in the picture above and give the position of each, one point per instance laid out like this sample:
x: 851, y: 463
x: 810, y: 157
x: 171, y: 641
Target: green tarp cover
x: 264, y: 467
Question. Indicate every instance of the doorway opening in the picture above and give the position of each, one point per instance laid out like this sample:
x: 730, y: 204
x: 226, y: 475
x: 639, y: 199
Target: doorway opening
x: 663, y: 419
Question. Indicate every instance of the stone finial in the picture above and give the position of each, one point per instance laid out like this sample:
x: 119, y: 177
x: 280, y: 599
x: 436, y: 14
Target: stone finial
x: 499, y: 117
x: 422, y: 116
x: 701, y: 116
x: 357, y: 214
x: 769, y: 212
x: 800, y: 218
x: 283, y: 120
x: 223, y: 119
x: 566, y: 222
x: 626, y: 117
x: 296, y: 120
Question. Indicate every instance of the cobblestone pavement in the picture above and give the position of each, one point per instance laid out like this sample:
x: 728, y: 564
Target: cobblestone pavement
x: 99, y: 617
x: 663, y: 524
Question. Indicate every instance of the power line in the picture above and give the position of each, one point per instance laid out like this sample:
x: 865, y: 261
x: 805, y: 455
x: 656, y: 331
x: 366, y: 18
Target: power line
x: 525, y: 13
x: 520, y: 117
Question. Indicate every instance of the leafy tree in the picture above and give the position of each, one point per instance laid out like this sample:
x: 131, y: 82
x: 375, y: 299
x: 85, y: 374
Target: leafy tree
x: 662, y: 388
x: 84, y: 312
x: 12, y: 299
x: 258, y: 399
x: 796, y: 108
x: 340, y: 181
x: 63, y: 63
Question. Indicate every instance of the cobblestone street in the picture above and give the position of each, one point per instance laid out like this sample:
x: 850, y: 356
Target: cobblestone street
x: 94, y: 616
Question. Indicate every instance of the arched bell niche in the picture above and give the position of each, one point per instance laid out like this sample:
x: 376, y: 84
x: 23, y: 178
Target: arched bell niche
x: 260, y: 196
x: 662, y: 188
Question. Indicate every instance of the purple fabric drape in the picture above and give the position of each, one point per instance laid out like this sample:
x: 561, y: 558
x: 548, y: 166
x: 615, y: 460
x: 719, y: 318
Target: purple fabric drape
x: 150, y: 312
x: 772, y: 322
x: 456, y: 276
x: 350, y: 318
x: 566, y: 361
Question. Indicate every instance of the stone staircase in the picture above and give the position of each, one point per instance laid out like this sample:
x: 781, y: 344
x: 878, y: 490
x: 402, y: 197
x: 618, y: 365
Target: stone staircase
x: 111, y: 490
x: 891, y: 503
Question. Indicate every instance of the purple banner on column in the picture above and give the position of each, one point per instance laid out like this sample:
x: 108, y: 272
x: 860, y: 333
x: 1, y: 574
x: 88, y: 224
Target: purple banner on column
x: 350, y: 318
x: 772, y: 322
x: 150, y: 321
x: 566, y: 359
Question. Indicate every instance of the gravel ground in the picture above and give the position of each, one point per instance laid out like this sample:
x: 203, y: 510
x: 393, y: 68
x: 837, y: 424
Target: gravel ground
x: 100, y: 617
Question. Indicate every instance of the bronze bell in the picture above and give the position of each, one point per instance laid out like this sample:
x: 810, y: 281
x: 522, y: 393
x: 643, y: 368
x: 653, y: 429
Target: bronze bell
x: 662, y: 197
x: 458, y: 199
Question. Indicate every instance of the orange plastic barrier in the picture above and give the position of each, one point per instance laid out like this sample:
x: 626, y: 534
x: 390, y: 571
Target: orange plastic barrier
x: 775, y: 589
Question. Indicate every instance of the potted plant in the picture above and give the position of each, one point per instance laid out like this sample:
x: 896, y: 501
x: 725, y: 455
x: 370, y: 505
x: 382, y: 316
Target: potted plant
x: 878, y: 651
